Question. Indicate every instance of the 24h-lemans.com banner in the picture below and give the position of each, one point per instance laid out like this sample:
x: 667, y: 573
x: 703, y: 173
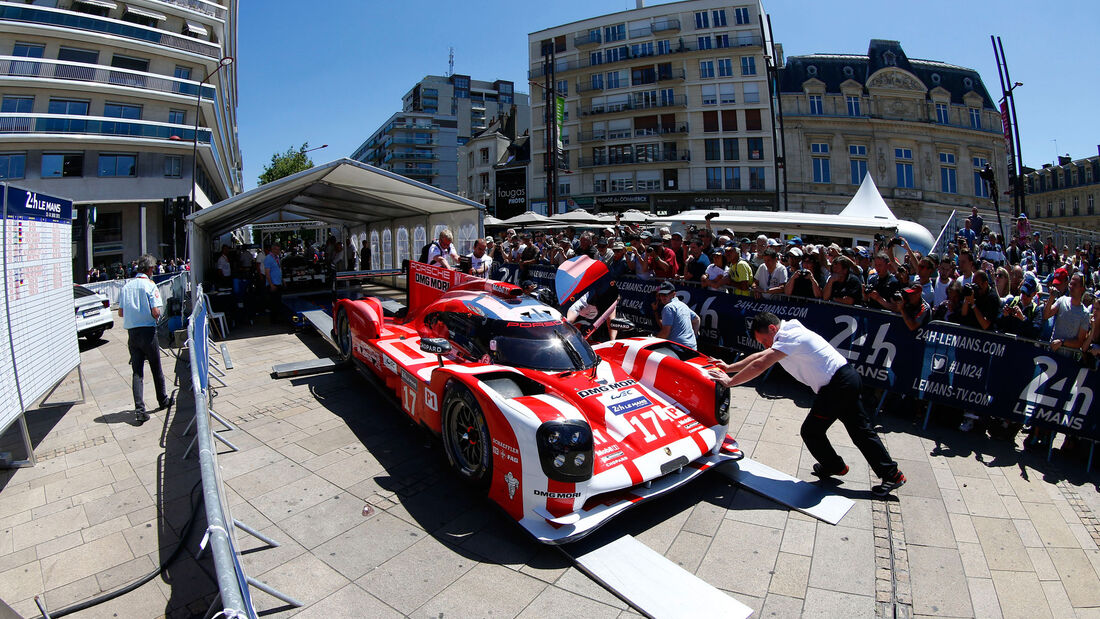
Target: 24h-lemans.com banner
x: 989, y: 374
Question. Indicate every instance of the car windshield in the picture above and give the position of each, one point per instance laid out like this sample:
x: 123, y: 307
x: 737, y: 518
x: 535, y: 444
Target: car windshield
x: 552, y: 346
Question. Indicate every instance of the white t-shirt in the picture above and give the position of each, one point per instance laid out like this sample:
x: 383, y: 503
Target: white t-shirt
x: 939, y: 293
x: 766, y: 280
x: 451, y: 254
x: 223, y: 265
x: 714, y: 272
x: 476, y: 264
x: 809, y: 358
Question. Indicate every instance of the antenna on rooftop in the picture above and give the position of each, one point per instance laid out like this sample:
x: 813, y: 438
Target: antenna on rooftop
x: 451, y: 63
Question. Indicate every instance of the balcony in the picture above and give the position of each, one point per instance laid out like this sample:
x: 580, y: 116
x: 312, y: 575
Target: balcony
x: 415, y: 141
x: 621, y: 134
x: 643, y: 31
x: 80, y: 21
x: 678, y: 156
x: 411, y: 156
x: 38, y: 68
x: 587, y: 86
x: 643, y: 104
x: 411, y: 127
x: 96, y: 125
x: 216, y: 11
x: 417, y: 172
x: 661, y: 130
x: 666, y: 25
x: 561, y: 68
x: 587, y: 38
x: 675, y: 75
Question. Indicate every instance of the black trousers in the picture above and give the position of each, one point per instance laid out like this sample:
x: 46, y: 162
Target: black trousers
x: 143, y: 346
x: 840, y: 400
x: 275, y: 303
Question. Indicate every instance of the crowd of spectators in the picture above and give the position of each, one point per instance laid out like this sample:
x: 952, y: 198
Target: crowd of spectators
x: 119, y: 270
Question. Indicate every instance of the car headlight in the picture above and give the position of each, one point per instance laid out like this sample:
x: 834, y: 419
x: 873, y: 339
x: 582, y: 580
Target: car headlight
x: 721, y: 404
x: 565, y: 450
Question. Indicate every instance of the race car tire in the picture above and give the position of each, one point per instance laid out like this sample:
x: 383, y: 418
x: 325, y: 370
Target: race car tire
x: 343, y: 335
x: 466, y: 437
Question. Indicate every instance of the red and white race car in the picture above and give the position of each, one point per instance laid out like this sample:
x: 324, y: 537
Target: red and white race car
x: 561, y: 434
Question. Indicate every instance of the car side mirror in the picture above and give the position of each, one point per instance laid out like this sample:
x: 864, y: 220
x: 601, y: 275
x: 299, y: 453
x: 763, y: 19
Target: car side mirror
x: 435, y: 346
x: 621, y: 324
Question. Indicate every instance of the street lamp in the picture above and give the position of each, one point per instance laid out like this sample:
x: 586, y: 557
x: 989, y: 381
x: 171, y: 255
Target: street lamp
x: 223, y: 63
x: 310, y: 150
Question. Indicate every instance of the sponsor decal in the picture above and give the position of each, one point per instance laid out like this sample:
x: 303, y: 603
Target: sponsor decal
x: 505, y: 451
x: 431, y: 401
x: 625, y: 401
x: 557, y: 495
x: 431, y: 282
x: 584, y: 393
x: 513, y: 484
x: 408, y: 378
x: 390, y: 364
x: 527, y: 325
x: 371, y: 355
x: 940, y: 364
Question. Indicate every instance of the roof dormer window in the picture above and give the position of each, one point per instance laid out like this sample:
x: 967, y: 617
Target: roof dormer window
x: 889, y: 59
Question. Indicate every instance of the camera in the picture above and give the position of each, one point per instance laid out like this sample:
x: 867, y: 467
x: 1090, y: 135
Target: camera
x: 894, y: 242
x: 804, y: 273
x: 968, y: 290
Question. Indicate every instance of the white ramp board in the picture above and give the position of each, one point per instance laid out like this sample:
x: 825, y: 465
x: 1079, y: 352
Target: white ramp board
x: 653, y: 584
x: 321, y: 321
x: 804, y: 496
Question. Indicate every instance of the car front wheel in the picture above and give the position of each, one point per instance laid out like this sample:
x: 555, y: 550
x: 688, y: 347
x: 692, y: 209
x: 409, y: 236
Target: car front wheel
x: 466, y: 437
x: 343, y: 334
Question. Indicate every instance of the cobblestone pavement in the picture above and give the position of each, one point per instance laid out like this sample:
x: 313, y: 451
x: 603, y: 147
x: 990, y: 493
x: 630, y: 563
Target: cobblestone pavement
x: 372, y: 524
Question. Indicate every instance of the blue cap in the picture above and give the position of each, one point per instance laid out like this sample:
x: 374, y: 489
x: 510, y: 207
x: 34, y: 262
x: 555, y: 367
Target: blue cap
x: 864, y: 252
x: 795, y: 241
x: 1028, y: 286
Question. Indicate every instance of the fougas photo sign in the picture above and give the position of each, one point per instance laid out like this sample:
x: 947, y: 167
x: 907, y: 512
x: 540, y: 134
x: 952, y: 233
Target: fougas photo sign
x: 511, y: 193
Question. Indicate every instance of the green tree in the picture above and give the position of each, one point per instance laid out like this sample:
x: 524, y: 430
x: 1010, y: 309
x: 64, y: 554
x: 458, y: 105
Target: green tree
x: 285, y: 164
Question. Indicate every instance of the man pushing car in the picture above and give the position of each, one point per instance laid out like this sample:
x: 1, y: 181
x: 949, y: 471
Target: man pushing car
x: 813, y: 361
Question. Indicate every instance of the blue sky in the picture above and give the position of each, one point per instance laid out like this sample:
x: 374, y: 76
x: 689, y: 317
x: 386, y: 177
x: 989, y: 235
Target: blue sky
x: 330, y: 72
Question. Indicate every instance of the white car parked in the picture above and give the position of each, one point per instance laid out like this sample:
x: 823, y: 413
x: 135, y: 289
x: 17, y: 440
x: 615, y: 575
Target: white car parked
x: 93, y: 313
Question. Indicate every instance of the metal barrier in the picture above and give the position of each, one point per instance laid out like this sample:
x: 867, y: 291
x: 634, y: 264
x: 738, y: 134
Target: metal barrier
x: 233, y: 583
x: 171, y: 286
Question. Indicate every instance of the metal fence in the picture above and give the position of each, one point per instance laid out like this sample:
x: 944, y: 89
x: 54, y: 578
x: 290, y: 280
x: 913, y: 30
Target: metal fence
x: 171, y: 286
x: 233, y: 584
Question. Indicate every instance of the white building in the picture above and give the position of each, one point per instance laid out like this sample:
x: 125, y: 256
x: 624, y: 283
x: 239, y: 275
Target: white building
x: 99, y: 106
x: 667, y: 108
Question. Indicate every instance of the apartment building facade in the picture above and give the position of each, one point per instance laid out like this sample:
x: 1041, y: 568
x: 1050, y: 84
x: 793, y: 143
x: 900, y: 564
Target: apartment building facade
x: 1064, y: 194
x: 99, y: 103
x: 667, y: 108
x: 438, y: 114
x: 922, y: 128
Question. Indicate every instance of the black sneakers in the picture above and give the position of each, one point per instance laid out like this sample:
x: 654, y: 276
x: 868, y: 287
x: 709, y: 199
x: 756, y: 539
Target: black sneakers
x: 889, y: 485
x: 166, y: 402
x: 140, y: 417
x: 820, y: 471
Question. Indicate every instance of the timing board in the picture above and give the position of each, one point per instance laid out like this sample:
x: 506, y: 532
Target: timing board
x: 40, y: 340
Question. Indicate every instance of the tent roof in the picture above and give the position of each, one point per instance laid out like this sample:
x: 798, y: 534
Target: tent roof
x: 341, y: 192
x: 868, y: 203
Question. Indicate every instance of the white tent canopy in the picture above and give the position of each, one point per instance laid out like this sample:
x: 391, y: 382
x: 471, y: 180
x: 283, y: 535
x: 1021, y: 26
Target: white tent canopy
x: 868, y: 203
x: 369, y: 203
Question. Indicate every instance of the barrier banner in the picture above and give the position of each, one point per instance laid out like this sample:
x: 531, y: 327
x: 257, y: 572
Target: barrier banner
x: 990, y: 374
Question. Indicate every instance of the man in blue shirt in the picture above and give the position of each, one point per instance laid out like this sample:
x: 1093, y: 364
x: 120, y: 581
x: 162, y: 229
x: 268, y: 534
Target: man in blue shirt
x: 273, y: 276
x: 678, y: 323
x: 140, y: 306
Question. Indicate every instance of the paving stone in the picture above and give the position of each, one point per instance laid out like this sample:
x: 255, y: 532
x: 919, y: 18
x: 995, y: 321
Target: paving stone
x: 1028, y: 534
x: 926, y: 522
x: 973, y: 560
x: 781, y: 606
x: 575, y: 581
x: 295, y: 497
x: 324, y: 442
x: 938, y: 582
x: 920, y: 479
x: 1044, y: 567
x: 86, y: 560
x: 1020, y: 595
x: 953, y: 502
x: 981, y: 497
x: 983, y: 596
x: 688, y: 550
x: 22, y: 501
x: 325, y: 520
x: 740, y: 557
x: 843, y: 561
x: 778, y: 456
x: 827, y: 603
x: 552, y: 600
x: 49, y: 527
x: 1002, y: 545
x: 798, y: 536
x: 790, y: 575
x: 266, y: 478
x: 67, y: 594
x: 1057, y: 600
x: 963, y: 528
x: 486, y: 590
x: 1077, y: 576
x: 350, y: 602
x: 1050, y: 526
x: 432, y: 564
x: 368, y: 545
x: 117, y: 504
x: 21, y: 582
x: 304, y: 577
